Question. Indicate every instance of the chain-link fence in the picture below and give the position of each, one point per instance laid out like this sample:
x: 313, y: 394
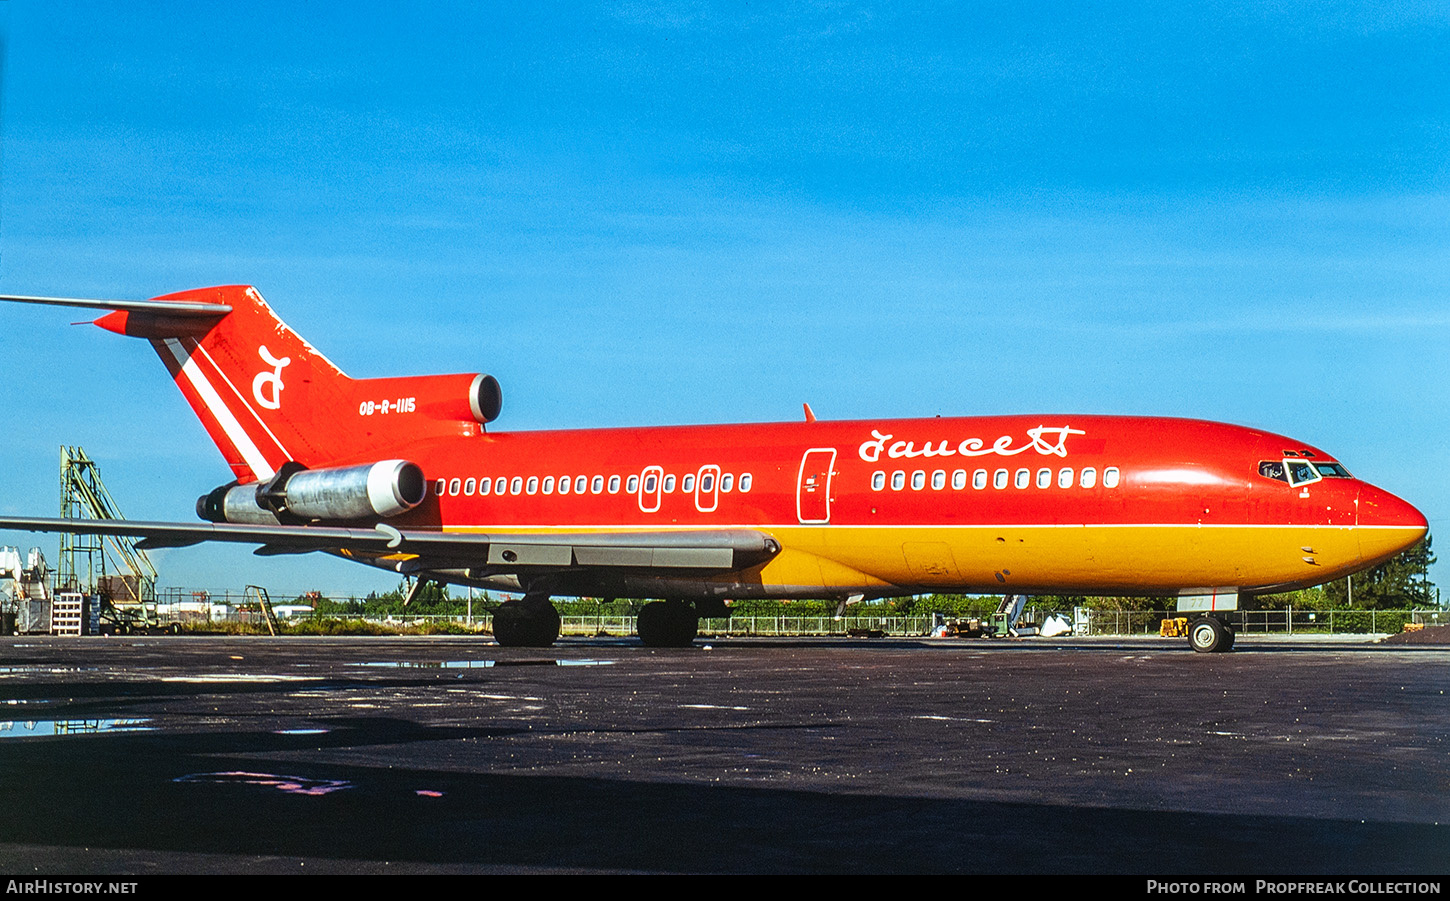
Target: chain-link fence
x: 1282, y: 622
x: 1085, y: 621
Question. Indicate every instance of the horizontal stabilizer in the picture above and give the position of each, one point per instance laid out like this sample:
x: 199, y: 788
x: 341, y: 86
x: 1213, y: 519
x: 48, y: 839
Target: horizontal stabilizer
x: 166, y: 307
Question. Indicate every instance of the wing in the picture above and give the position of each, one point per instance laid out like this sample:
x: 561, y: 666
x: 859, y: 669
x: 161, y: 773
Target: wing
x: 495, y: 553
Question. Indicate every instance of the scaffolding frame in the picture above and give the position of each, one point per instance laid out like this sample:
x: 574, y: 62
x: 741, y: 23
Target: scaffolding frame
x: 84, y: 496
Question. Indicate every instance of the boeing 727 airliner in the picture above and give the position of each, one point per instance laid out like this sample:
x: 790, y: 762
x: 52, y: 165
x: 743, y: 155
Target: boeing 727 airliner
x: 403, y: 473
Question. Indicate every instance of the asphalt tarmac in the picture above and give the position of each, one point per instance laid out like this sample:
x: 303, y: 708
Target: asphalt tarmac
x: 183, y: 754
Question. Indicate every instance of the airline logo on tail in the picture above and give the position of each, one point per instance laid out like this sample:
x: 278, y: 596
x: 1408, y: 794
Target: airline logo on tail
x: 273, y: 380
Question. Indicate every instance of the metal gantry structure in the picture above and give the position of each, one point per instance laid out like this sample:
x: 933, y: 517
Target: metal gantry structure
x: 113, y: 567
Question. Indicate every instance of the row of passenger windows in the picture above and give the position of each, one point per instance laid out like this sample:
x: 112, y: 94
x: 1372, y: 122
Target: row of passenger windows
x: 1023, y: 478
x: 504, y: 485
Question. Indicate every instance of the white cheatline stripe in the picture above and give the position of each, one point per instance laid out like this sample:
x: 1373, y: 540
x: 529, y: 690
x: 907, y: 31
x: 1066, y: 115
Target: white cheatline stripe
x: 243, y: 401
x: 235, y: 433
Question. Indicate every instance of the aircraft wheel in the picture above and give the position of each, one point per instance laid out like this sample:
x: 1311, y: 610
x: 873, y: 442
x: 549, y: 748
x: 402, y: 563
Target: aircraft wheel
x: 667, y: 624
x: 1206, y: 635
x: 530, y: 623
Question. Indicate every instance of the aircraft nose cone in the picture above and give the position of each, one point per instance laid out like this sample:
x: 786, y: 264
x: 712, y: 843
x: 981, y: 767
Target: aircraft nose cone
x: 1387, y: 524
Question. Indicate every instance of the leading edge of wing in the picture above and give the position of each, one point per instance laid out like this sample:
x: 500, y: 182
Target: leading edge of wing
x: 167, y: 307
x: 723, y: 549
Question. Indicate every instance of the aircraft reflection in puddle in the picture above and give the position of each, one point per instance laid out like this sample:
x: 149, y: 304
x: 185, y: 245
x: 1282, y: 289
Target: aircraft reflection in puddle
x: 292, y: 785
x: 30, y: 728
x: 480, y: 664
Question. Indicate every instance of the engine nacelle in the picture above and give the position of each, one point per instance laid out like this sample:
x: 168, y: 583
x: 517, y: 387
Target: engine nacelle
x: 446, y: 398
x: 294, y: 494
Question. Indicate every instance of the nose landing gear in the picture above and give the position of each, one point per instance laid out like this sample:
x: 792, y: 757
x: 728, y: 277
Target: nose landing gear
x: 1210, y: 635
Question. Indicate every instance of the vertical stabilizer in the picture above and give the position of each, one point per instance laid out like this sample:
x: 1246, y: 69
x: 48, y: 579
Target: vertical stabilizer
x: 267, y: 397
x: 253, y: 382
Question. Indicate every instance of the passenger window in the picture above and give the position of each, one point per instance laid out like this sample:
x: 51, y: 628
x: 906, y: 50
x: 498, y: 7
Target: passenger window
x: 999, y: 479
x: 979, y: 479
x: 441, y: 487
x: 918, y: 480
x: 707, y: 483
x: 744, y: 482
x: 727, y: 482
x: 649, y: 483
x: 1089, y: 477
x: 687, y: 484
x: 484, y: 485
x: 614, y: 484
x: 878, y: 480
x: 1110, y: 477
x: 959, y: 479
x: 1044, y: 478
x: 469, y: 485
x: 898, y: 480
x: 454, y: 487
x: 564, y: 484
x: 1064, y: 477
x: 533, y: 487
x: 1023, y: 478
x: 500, y: 485
x: 596, y: 485
x: 669, y: 484
x: 939, y: 480
x: 581, y: 484
x: 548, y: 485
x: 517, y: 485
x: 632, y: 485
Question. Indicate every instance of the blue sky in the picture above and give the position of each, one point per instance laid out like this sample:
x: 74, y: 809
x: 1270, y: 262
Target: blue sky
x: 637, y: 213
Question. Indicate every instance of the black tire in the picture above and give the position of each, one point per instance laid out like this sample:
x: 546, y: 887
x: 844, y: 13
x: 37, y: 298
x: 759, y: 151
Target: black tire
x: 1206, y: 635
x: 667, y: 624
x: 527, y: 623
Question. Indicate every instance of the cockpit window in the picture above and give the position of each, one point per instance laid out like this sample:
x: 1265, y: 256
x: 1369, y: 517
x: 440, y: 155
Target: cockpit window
x: 1332, y: 471
x: 1301, y: 472
x: 1272, y: 469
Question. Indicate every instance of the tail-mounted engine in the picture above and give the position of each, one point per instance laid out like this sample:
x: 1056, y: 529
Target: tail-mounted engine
x: 298, y: 495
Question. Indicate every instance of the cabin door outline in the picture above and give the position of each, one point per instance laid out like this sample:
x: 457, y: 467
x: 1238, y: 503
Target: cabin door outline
x: 813, y: 486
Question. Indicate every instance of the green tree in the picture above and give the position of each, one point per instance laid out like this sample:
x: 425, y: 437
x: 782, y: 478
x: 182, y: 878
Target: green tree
x: 1399, y: 583
x: 1303, y: 599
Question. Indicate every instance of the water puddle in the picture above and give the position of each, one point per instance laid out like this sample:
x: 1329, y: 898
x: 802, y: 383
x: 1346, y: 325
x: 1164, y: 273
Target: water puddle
x: 292, y: 785
x: 478, y: 664
x: 30, y: 728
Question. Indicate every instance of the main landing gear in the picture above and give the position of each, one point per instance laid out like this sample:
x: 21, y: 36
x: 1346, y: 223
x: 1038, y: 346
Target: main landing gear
x: 531, y: 622
x: 667, y: 624
x: 1209, y: 634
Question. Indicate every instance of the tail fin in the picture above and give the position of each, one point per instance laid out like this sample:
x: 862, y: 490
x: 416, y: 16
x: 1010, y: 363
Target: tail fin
x: 267, y: 397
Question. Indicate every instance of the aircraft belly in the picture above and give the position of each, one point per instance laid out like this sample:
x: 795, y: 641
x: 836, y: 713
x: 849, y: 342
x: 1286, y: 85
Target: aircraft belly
x: 1127, y: 559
